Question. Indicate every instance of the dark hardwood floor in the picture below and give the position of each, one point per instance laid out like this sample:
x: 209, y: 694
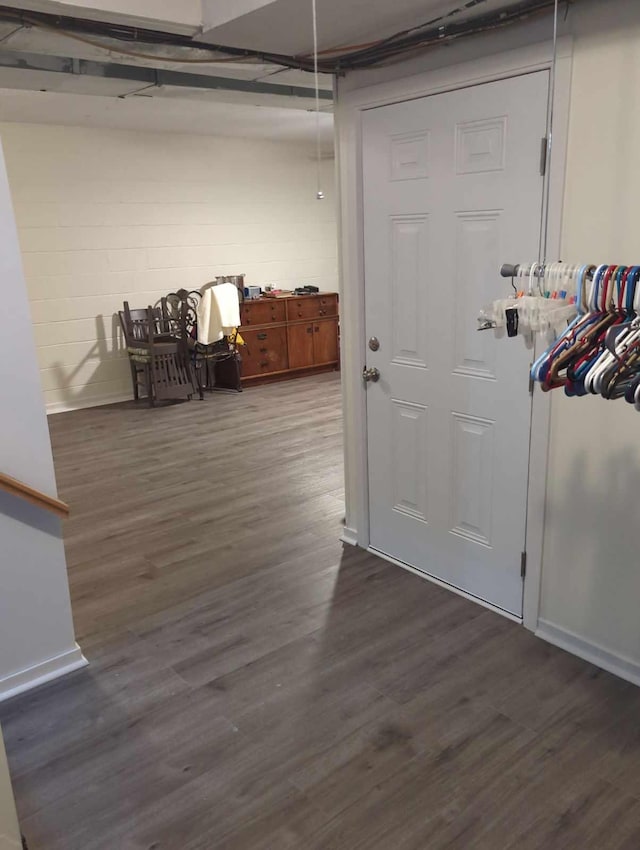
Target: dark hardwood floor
x: 256, y: 686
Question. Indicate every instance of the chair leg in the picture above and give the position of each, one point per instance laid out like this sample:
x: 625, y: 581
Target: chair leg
x: 149, y: 377
x: 134, y: 380
x: 198, y: 369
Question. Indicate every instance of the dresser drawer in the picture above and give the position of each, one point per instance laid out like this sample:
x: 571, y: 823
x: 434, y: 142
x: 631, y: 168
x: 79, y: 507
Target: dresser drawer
x: 311, y: 307
x: 262, y: 312
x: 265, y: 351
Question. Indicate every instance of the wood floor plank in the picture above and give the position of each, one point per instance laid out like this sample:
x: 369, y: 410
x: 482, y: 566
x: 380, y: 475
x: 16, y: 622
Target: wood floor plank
x: 255, y: 685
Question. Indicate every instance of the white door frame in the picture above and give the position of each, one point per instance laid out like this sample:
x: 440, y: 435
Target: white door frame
x: 349, y: 108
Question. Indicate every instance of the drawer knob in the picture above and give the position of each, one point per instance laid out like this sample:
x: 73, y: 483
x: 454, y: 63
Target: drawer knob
x: 264, y: 362
x: 263, y: 351
x: 262, y: 336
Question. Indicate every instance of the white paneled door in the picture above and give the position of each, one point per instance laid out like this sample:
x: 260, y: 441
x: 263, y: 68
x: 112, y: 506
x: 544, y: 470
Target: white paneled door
x: 452, y: 189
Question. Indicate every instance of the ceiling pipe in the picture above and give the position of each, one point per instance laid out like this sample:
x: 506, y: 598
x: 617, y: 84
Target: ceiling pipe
x: 146, y: 76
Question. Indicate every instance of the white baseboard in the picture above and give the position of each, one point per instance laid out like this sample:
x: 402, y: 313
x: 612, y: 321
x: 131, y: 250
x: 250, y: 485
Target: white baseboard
x: 350, y: 536
x: 619, y: 665
x: 65, y: 406
x: 39, y: 674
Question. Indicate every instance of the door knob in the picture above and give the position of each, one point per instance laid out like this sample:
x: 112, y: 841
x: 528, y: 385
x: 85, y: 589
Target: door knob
x: 372, y: 375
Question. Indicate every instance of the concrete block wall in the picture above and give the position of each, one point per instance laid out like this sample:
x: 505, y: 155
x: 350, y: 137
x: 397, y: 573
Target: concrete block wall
x: 109, y: 215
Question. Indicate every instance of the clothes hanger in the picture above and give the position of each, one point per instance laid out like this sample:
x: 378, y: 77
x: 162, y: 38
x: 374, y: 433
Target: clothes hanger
x: 598, y: 352
x: 622, y: 374
x: 540, y: 368
x: 598, y: 364
x: 554, y: 305
x: 575, y: 339
x: 613, y: 314
x: 617, y: 337
x: 586, y: 336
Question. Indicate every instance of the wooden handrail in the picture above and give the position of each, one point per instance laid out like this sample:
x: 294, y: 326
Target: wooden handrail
x: 35, y: 497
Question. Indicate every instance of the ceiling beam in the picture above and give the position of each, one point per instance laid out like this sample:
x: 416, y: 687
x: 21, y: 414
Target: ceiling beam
x: 150, y: 76
x: 184, y: 17
x: 218, y: 12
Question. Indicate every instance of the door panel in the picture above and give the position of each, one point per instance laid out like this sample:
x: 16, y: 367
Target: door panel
x: 325, y: 341
x: 409, y: 252
x: 409, y: 467
x: 472, y: 477
x: 300, y: 338
x: 477, y: 247
x: 451, y: 188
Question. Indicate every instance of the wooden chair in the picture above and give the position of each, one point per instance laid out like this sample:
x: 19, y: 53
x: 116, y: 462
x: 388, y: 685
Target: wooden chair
x: 215, y: 366
x: 225, y: 372
x: 134, y: 329
x: 157, y: 356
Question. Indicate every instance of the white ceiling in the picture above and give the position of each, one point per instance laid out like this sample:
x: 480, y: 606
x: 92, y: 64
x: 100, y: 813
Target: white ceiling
x: 281, y: 26
x: 44, y: 97
x: 183, y: 16
x: 276, y: 26
x: 48, y: 43
x: 285, y: 26
x: 270, y: 25
x: 202, y: 116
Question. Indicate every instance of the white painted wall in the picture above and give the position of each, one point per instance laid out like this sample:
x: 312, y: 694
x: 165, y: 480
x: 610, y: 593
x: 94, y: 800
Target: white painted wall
x: 591, y: 570
x: 591, y: 574
x: 9, y: 830
x: 109, y: 215
x: 36, y: 629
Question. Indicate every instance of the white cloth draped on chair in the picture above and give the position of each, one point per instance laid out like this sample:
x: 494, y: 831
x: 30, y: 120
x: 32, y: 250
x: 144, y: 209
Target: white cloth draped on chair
x: 218, y: 313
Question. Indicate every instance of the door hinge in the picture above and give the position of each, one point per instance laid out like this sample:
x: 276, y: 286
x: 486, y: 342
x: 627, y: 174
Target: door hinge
x: 523, y: 564
x: 531, y: 385
x: 544, y: 147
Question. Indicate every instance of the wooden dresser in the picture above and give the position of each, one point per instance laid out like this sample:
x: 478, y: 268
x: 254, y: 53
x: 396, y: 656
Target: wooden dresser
x: 289, y: 336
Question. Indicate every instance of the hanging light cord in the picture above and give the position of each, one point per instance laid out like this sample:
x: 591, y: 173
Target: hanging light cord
x: 544, y: 233
x: 314, y: 11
